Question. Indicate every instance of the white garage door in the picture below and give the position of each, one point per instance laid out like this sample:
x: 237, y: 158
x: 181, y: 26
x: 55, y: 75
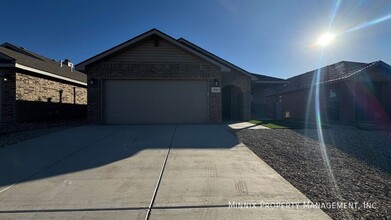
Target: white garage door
x: 155, y: 101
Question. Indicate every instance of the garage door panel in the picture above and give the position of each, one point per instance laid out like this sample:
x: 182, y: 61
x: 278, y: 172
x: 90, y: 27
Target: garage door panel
x: 155, y: 101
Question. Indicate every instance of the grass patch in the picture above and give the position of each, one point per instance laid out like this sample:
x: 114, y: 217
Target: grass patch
x: 286, y: 124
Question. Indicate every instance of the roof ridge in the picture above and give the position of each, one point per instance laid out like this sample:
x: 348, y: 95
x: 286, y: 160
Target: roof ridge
x: 210, y: 54
x: 103, y: 55
x: 328, y: 66
x: 22, y: 59
x: 118, y: 46
x: 271, y: 77
x: 23, y: 50
x: 351, y: 74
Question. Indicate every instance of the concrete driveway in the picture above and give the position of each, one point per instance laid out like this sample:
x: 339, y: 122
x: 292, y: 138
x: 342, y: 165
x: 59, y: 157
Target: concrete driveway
x: 141, y: 172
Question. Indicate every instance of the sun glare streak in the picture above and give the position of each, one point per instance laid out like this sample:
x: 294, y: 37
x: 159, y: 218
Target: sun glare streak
x: 334, y: 11
x: 328, y: 37
x: 368, y: 24
x: 314, y: 100
x: 319, y: 122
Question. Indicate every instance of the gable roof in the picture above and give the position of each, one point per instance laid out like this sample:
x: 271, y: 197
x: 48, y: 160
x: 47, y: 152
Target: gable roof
x: 217, y: 58
x: 331, y: 73
x: 267, y: 79
x: 13, y: 56
x: 81, y: 66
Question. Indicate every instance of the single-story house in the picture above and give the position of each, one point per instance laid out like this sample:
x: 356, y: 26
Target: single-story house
x: 33, y: 87
x: 348, y: 92
x: 154, y: 78
x: 259, y: 88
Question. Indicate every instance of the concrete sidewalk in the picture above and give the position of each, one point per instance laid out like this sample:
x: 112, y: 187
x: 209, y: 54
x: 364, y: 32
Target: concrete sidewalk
x: 245, y: 125
x: 130, y: 172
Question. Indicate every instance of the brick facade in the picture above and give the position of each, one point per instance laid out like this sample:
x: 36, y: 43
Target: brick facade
x: 298, y: 105
x: 156, y: 56
x: 244, y: 83
x: 386, y: 96
x: 348, y: 103
x: 8, y: 97
x: 25, y: 97
x: 270, y: 106
x: 150, y: 70
x: 293, y: 105
x: 33, y: 88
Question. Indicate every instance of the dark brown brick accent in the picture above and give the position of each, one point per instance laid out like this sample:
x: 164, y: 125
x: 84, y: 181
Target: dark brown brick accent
x: 8, y: 102
x: 244, y: 83
x: 270, y: 106
x: 348, y: 103
x: 295, y: 105
x: 298, y: 105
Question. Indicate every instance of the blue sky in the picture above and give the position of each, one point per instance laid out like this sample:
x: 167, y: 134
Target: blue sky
x: 266, y: 37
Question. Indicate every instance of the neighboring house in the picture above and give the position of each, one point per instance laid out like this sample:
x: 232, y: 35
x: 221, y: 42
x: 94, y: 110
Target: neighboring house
x: 154, y: 78
x: 259, y: 88
x: 348, y: 92
x: 33, y: 87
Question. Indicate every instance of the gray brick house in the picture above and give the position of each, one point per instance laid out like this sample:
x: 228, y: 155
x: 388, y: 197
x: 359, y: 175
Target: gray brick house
x: 154, y: 78
x: 348, y: 92
x: 33, y: 87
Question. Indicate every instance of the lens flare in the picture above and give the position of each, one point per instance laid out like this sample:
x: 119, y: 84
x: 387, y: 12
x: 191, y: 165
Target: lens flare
x: 325, y: 39
x: 369, y: 23
x: 314, y: 110
x: 334, y: 11
x: 314, y: 100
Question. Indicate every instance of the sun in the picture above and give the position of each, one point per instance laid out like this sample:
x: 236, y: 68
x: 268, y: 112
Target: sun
x: 325, y: 39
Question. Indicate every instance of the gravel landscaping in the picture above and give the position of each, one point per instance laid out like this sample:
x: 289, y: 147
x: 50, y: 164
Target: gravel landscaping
x: 359, y: 166
x: 14, y: 133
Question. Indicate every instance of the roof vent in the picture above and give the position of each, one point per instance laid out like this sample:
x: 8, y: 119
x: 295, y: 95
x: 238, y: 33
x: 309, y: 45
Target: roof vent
x: 67, y: 62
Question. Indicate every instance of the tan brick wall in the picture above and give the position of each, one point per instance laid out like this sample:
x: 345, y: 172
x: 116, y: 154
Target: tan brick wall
x: 32, y: 88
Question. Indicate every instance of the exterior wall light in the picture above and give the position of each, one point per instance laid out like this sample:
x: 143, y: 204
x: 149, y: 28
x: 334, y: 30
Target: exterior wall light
x: 216, y: 83
x: 92, y: 81
x: 6, y: 77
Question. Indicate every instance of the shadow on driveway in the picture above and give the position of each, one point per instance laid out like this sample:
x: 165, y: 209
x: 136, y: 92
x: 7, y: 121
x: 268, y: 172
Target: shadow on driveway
x: 90, y: 147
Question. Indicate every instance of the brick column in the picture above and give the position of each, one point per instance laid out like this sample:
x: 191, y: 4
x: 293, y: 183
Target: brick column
x: 348, y: 102
x: 94, y: 101
x: 8, y: 102
x: 215, y: 104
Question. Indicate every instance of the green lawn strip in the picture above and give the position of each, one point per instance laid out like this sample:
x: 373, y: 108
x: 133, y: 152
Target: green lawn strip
x: 285, y: 124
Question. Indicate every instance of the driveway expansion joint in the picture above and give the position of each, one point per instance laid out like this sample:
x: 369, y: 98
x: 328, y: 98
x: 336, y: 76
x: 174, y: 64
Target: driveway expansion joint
x: 71, y: 210
x: 147, y: 215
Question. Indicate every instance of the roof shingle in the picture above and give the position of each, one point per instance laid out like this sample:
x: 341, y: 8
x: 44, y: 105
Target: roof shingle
x: 33, y: 60
x: 334, y: 72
